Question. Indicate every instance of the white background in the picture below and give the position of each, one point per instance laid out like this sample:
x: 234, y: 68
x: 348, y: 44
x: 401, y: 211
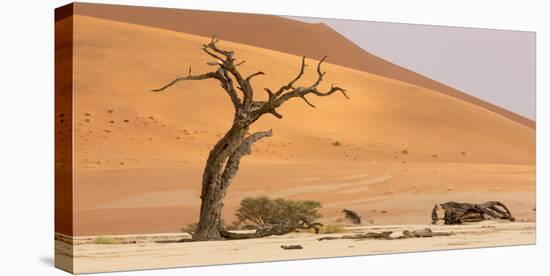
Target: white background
x: 27, y: 131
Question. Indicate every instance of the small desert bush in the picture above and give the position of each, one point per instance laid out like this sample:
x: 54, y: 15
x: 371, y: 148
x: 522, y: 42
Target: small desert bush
x: 337, y: 143
x: 262, y: 210
x: 106, y: 240
x: 332, y: 228
x: 190, y: 228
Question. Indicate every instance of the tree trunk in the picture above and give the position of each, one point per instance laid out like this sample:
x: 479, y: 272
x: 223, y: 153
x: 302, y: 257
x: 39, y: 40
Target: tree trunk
x: 214, y: 187
x: 210, y: 220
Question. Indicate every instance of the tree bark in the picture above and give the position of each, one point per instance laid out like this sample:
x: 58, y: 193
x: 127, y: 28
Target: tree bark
x: 213, y: 188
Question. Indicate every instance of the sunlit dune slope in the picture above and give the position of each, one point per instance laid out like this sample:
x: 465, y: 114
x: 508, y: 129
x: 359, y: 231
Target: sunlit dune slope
x: 280, y: 34
x: 116, y: 69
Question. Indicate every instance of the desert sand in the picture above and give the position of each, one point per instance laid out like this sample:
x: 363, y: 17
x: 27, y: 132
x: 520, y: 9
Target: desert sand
x: 147, y: 254
x: 390, y: 152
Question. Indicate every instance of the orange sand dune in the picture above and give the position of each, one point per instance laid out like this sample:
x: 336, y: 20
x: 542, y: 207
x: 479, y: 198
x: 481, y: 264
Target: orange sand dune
x: 139, y: 155
x: 281, y: 34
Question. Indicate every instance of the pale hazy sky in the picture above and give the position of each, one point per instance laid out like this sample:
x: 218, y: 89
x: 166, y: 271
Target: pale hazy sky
x: 494, y: 65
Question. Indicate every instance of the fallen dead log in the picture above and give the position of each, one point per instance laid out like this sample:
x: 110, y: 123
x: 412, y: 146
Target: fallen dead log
x: 370, y: 235
x: 458, y: 213
x: 271, y: 230
x: 422, y: 233
x: 291, y: 247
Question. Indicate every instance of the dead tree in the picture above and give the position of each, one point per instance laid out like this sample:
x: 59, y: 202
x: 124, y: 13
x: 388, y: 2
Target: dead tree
x: 224, y: 158
x: 458, y: 213
x: 352, y: 216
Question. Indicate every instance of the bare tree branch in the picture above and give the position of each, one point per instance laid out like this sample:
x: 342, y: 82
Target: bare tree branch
x: 290, y: 85
x: 216, y: 57
x: 270, y: 93
x: 319, y: 73
x: 212, y: 45
x: 254, y: 75
x: 220, y: 75
x: 230, y: 89
x: 330, y: 91
x: 276, y: 114
x: 283, y: 94
x: 209, y: 75
x: 227, y: 64
x: 303, y: 91
x: 310, y: 104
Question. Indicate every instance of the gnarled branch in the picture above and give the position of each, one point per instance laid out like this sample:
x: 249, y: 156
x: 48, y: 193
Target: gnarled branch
x: 212, y: 45
x: 220, y: 75
x: 254, y: 75
x: 288, y: 91
x: 209, y: 75
x: 458, y: 213
x: 227, y: 63
x: 290, y: 85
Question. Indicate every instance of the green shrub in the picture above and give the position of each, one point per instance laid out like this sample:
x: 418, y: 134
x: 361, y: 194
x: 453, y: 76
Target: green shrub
x: 262, y: 210
x: 332, y: 228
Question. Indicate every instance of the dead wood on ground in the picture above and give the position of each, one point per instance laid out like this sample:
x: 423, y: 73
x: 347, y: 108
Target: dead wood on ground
x: 458, y: 213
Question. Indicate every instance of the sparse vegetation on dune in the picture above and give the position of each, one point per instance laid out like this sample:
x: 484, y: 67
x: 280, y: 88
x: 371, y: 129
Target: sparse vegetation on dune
x: 260, y: 211
x: 333, y: 228
x: 106, y: 240
x: 190, y: 228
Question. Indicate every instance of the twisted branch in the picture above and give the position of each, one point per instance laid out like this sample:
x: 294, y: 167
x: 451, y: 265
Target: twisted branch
x: 290, y: 85
x: 246, y: 108
x: 210, y: 75
x: 289, y: 91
